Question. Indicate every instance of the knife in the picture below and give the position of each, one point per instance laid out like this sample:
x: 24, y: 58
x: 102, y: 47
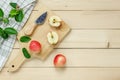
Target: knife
x: 40, y: 20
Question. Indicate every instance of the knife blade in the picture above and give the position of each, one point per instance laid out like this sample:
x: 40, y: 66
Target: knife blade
x: 39, y: 21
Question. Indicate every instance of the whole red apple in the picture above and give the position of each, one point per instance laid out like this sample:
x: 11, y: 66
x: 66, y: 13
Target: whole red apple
x: 59, y: 60
x: 35, y: 47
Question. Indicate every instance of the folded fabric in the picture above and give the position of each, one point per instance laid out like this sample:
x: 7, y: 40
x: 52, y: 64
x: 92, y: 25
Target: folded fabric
x: 6, y: 46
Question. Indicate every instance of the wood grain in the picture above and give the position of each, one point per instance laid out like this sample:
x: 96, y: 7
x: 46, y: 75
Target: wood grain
x: 76, y: 58
x: 82, y: 4
x: 108, y: 20
x: 68, y: 73
x: 94, y: 23
x: 91, y: 19
x: 90, y: 39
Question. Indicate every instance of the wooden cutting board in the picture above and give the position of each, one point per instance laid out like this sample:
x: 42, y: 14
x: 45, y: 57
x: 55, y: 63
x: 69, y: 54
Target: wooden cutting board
x: 40, y: 34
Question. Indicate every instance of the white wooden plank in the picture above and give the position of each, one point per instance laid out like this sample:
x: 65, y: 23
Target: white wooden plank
x: 91, y: 19
x: 80, y: 45
x: 77, y: 58
x: 89, y: 39
x: 84, y: 45
x: 63, y: 74
x: 82, y: 4
x: 114, y: 45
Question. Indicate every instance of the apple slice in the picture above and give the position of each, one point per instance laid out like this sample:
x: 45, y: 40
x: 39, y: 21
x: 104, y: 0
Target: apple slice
x: 35, y: 47
x: 55, y: 21
x: 59, y: 60
x: 52, y: 37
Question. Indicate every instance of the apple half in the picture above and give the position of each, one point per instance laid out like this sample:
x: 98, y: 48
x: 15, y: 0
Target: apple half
x: 55, y: 21
x: 52, y: 37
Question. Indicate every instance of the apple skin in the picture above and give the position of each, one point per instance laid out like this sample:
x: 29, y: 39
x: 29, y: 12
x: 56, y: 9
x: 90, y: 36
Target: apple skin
x: 35, y: 47
x: 59, y: 60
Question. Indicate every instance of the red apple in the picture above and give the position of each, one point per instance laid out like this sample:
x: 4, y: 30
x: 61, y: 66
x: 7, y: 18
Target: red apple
x: 59, y: 60
x: 35, y: 47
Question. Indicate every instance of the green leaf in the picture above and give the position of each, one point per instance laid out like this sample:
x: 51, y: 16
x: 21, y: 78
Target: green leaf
x: 25, y: 53
x: 1, y: 31
x: 14, y: 5
x: 1, y: 13
x: 1, y: 19
x: 25, y: 39
x: 13, y: 13
x: 10, y: 30
x: 4, y: 35
x: 19, y: 17
x: 6, y: 20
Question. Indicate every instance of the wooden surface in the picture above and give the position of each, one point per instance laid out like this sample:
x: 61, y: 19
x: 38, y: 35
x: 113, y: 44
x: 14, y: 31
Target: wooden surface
x: 92, y: 48
x: 40, y: 35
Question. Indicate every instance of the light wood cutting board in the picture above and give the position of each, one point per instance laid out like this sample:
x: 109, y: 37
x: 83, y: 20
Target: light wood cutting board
x: 40, y: 34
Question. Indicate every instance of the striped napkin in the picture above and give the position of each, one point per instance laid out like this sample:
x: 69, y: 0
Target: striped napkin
x: 6, y: 46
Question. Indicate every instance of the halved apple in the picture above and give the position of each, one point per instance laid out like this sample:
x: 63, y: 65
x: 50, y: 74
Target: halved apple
x: 55, y: 21
x: 52, y: 37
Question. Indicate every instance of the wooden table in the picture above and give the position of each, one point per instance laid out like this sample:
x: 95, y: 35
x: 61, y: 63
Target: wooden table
x: 92, y: 48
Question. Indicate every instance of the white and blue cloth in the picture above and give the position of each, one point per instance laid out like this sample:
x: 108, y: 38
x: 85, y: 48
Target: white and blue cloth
x: 6, y: 46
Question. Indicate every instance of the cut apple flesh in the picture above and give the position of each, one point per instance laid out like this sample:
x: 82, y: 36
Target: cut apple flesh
x: 52, y: 37
x: 55, y: 21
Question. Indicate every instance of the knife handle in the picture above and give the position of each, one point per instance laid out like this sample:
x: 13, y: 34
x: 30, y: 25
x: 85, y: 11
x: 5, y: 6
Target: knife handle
x: 30, y: 29
x: 17, y: 62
